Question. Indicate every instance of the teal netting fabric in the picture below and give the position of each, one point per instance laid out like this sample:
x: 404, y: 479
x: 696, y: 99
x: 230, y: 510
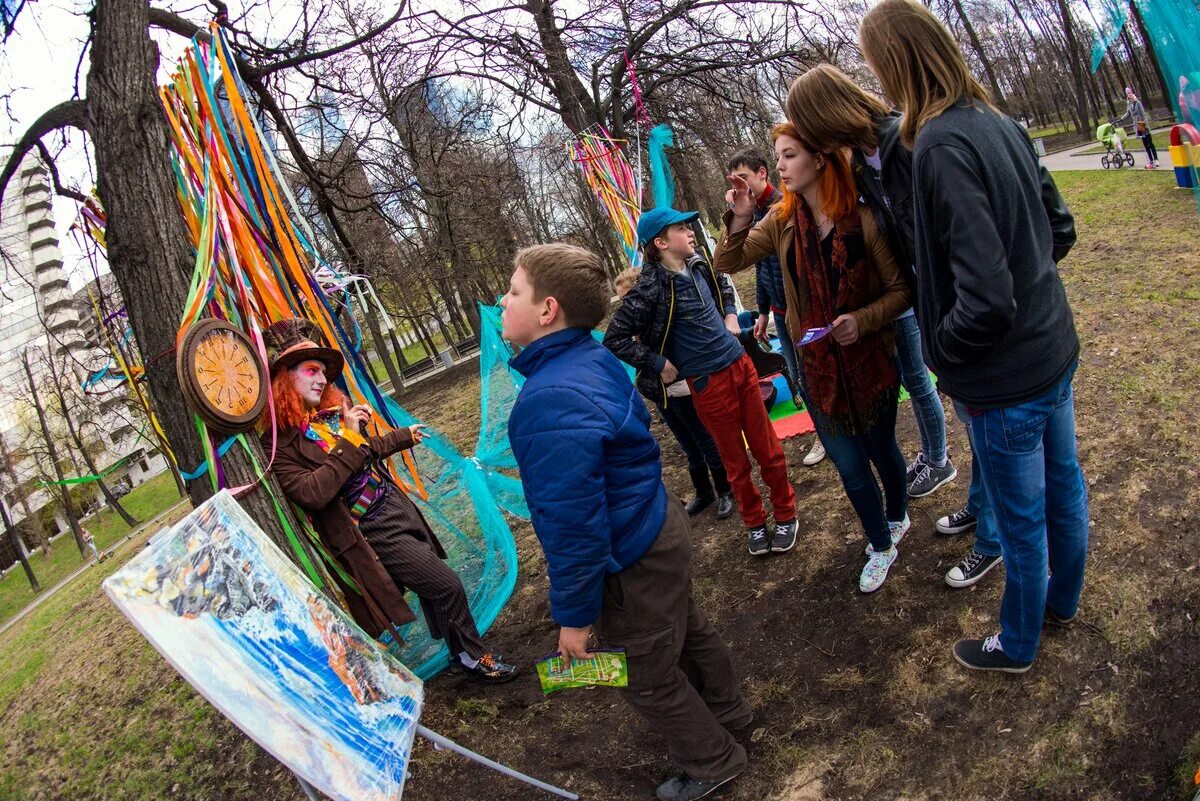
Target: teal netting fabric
x: 1174, y: 28
x: 1110, y: 16
x: 661, y: 179
x: 499, y: 387
x: 464, y: 510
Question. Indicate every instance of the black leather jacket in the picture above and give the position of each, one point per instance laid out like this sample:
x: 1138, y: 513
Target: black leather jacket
x: 890, y: 198
x: 637, y: 333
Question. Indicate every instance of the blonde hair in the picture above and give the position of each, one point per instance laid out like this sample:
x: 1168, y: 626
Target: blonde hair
x: 830, y: 110
x: 571, y: 275
x: 626, y: 280
x: 918, y: 63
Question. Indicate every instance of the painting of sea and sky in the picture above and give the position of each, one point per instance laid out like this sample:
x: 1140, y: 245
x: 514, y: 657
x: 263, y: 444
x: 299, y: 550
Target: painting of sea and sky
x: 249, y: 631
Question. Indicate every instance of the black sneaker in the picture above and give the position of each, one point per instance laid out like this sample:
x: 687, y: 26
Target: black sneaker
x: 958, y: 522
x: 971, y: 569
x: 685, y: 788
x: 1056, y: 620
x: 987, y: 655
x: 928, y: 477
x: 760, y: 543
x: 725, y: 505
x: 784, y: 539
x: 491, y: 669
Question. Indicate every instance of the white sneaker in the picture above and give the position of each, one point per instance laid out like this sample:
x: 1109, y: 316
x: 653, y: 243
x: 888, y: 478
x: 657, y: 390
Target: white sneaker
x: 898, y: 530
x: 815, y: 454
x: 876, y: 570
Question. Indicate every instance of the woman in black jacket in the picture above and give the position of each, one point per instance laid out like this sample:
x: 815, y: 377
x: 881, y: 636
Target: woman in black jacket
x: 994, y: 317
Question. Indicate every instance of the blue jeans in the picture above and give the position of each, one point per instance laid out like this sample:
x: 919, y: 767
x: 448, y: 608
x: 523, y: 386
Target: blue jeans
x: 1026, y: 455
x: 927, y: 406
x: 987, y: 540
x: 788, y: 348
x: 853, y: 455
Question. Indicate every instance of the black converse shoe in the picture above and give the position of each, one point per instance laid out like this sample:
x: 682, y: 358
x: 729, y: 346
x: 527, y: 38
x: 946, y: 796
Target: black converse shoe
x: 971, y: 569
x: 956, y: 522
x: 987, y: 655
x: 760, y: 542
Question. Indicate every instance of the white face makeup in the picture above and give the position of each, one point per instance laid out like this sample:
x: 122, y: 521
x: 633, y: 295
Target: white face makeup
x: 308, y: 377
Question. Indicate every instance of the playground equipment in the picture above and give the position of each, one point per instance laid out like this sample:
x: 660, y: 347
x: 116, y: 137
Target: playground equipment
x: 1185, y: 150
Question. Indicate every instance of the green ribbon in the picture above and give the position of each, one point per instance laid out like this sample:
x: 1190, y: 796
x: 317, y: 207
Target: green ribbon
x: 85, y: 479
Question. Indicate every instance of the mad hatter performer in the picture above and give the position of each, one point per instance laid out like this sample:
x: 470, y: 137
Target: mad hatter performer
x: 331, y: 469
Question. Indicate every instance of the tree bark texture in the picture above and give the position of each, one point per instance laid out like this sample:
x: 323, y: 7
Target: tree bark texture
x: 63, y: 489
x: 148, y: 244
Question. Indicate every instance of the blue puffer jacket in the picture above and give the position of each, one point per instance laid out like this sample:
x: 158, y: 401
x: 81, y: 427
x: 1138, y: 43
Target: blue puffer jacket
x: 590, y: 467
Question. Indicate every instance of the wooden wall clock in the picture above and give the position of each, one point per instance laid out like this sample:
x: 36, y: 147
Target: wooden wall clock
x: 222, y: 376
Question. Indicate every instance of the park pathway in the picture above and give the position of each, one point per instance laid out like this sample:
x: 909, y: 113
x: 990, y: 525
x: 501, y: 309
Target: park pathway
x: 1074, y: 160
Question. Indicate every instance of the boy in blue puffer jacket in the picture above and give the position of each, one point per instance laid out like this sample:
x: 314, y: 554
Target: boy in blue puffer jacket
x: 618, y: 547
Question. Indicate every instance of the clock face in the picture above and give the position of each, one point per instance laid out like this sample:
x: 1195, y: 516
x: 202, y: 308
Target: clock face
x: 227, y: 372
x: 223, y: 379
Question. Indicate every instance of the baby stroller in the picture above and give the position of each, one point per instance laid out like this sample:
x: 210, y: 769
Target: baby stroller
x: 1115, y: 154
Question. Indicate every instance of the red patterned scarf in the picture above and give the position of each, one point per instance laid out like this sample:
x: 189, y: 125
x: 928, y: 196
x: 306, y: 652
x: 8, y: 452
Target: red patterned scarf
x: 850, y: 385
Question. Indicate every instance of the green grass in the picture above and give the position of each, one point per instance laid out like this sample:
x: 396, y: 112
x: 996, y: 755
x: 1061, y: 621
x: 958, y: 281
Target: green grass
x: 144, y: 503
x: 1051, y: 130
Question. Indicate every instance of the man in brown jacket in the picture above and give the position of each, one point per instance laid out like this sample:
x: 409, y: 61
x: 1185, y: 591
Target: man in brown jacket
x: 327, y: 466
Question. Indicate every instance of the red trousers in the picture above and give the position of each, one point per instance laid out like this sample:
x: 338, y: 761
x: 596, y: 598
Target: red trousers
x: 731, y: 408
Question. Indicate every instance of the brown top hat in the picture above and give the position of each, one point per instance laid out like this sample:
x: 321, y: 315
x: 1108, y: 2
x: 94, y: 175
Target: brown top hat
x: 290, y: 342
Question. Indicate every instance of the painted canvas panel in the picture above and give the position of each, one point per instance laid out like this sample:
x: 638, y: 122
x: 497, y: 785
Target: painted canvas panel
x: 248, y: 630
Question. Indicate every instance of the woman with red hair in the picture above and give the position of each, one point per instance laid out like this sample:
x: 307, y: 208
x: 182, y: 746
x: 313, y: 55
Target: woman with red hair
x: 329, y: 467
x: 843, y: 285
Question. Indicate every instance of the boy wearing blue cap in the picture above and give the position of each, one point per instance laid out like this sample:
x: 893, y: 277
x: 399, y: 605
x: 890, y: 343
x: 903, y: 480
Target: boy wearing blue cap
x: 618, y: 547
x: 679, y: 321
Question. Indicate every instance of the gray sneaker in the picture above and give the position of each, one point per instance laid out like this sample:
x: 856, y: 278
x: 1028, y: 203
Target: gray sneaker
x: 927, y: 477
x: 784, y: 539
x: 760, y: 541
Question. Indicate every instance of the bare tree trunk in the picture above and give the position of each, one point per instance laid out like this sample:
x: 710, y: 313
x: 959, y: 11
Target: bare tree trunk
x: 1077, y: 77
x: 36, y: 536
x: 1151, y: 53
x: 145, y: 226
x: 18, y: 546
x: 63, y: 490
x: 109, y: 498
x: 988, y: 70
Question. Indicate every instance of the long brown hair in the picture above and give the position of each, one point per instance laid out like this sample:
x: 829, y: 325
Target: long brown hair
x: 830, y: 110
x: 290, y: 411
x: 918, y: 63
x: 835, y: 183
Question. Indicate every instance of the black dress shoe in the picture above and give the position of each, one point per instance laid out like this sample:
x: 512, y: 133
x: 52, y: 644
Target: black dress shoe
x: 698, y: 504
x: 491, y: 669
x: 725, y: 506
x: 684, y: 788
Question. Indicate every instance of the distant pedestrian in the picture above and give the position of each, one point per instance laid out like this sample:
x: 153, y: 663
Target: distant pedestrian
x: 89, y: 542
x: 1135, y: 112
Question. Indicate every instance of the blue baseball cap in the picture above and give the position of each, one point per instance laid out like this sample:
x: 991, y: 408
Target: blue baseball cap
x: 652, y: 222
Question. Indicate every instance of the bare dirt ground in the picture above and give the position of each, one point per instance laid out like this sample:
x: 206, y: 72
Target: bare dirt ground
x: 857, y: 697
